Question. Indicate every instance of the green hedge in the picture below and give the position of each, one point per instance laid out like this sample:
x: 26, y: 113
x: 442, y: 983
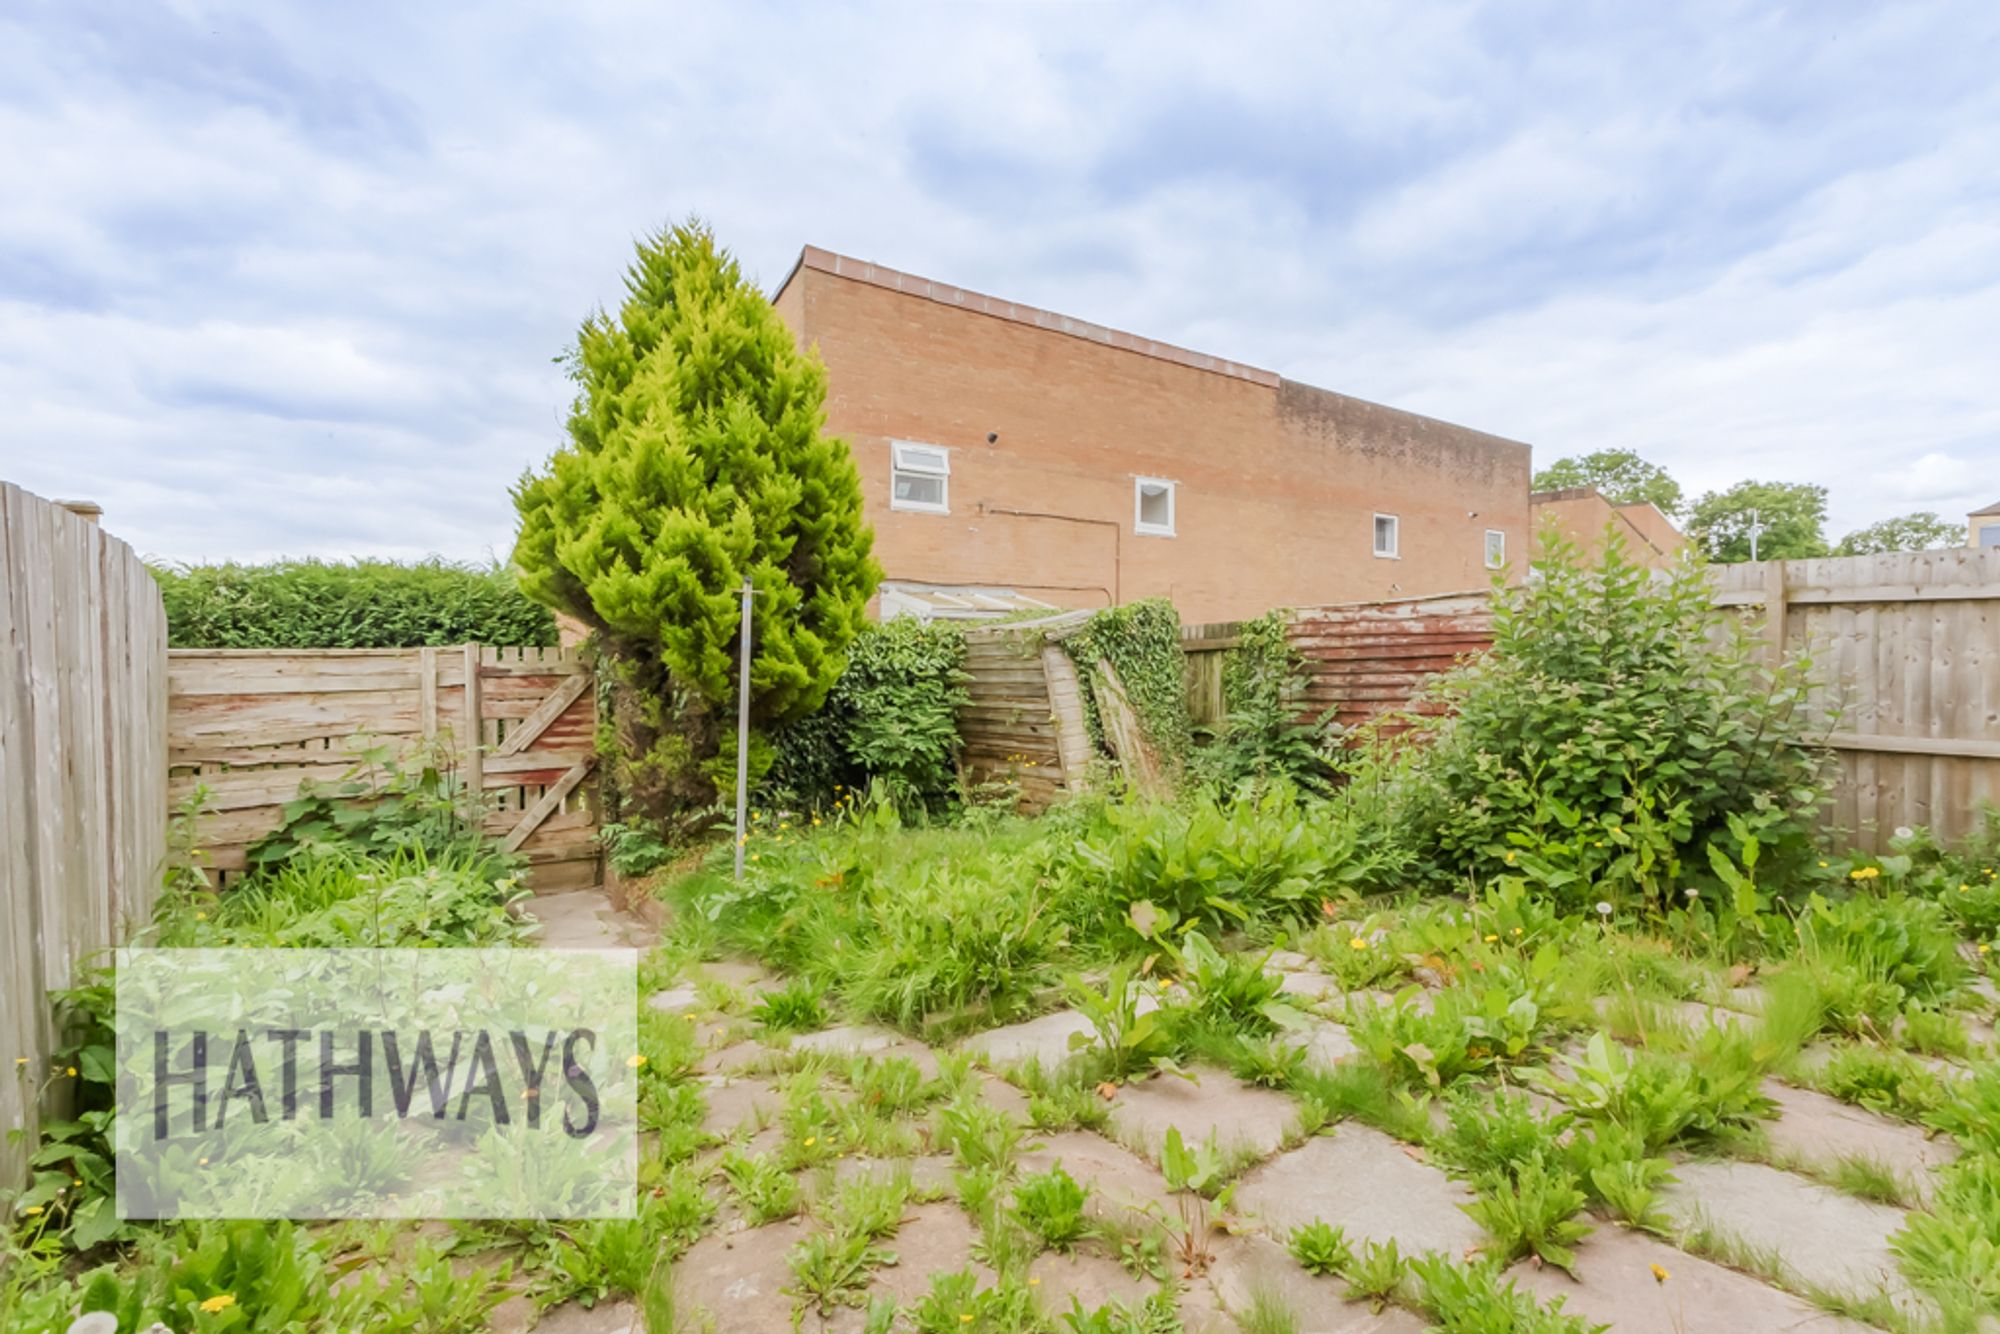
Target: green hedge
x: 359, y: 604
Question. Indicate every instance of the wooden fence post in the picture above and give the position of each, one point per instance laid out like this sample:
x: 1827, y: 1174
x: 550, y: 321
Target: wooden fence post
x: 1774, y: 612
x: 475, y: 756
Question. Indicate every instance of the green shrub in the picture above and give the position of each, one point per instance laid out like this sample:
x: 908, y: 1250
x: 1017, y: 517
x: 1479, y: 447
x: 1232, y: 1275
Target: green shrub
x: 1264, y: 738
x: 378, y: 808
x: 697, y: 459
x: 1050, y: 1205
x: 1142, y: 643
x: 893, y: 716
x: 1616, y: 724
x: 334, y: 604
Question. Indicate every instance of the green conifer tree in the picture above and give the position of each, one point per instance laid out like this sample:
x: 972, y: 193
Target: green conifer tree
x: 697, y: 455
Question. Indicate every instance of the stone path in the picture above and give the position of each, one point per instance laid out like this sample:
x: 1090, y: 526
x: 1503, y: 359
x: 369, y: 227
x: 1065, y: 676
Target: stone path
x: 1376, y: 1188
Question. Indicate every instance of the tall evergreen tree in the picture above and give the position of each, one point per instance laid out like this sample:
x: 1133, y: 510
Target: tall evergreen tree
x: 697, y: 455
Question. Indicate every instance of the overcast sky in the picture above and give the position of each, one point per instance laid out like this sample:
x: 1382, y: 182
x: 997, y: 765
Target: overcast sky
x: 288, y: 279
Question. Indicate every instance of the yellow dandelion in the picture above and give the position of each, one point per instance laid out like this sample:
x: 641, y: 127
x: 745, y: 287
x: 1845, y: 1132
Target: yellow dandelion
x: 1357, y: 943
x: 1985, y: 949
x: 635, y: 1060
x: 20, y: 1060
x: 816, y: 821
x: 222, y: 1301
x: 201, y: 1162
x: 1660, y: 1274
x: 1490, y: 938
x: 1034, y: 1283
x: 71, y: 1072
x: 201, y: 917
x: 1517, y: 930
x: 811, y: 1140
x: 33, y: 1209
x: 1824, y: 865
x: 965, y: 1319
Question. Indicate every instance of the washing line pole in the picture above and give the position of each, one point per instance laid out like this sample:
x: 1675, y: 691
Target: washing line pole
x: 743, y: 734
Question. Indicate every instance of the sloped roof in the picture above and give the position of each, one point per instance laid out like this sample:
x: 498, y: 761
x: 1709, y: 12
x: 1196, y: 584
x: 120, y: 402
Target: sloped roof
x: 1994, y: 508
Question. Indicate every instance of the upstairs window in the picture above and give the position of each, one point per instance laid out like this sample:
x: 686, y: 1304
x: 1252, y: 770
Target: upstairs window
x: 919, y: 478
x: 1153, y: 507
x: 1496, y: 548
x: 1386, y: 536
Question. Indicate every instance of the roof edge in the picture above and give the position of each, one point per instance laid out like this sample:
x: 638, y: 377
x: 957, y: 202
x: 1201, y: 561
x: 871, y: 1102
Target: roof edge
x: 909, y: 284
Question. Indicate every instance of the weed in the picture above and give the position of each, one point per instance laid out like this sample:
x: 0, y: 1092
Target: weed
x: 1202, y: 1169
x: 1321, y: 1248
x: 871, y: 1207
x: 1128, y: 1037
x: 1377, y: 1273
x: 889, y: 1084
x: 956, y: 1304
x: 1267, y: 1062
x: 1269, y: 1313
x: 830, y: 1268
x: 1488, y: 1134
x: 1475, y: 1299
x: 766, y: 1190
x: 1881, y: 1079
x: 799, y: 1007
x: 1155, y: 1315
x: 1531, y: 1208
x: 1663, y: 1098
x: 1050, y: 1205
x: 1953, y: 1250
x: 1611, y: 1163
x: 977, y: 1133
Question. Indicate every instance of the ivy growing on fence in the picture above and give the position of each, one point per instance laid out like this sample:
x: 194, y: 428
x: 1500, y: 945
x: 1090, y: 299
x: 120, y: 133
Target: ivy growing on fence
x: 1142, y: 642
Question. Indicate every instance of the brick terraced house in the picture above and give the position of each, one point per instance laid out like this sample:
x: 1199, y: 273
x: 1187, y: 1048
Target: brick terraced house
x: 1013, y: 457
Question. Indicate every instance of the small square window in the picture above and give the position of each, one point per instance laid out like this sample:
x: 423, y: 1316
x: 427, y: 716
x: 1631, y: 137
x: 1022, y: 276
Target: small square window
x: 919, y: 478
x: 1496, y: 548
x: 1386, y: 537
x: 1153, y: 507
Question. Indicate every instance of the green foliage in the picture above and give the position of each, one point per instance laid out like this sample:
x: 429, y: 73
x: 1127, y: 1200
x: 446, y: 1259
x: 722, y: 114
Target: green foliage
x: 1377, y: 1272
x: 798, y: 1007
x: 1614, y: 1168
x: 1792, y: 515
x: 1050, y: 1205
x: 1142, y: 643
x: 1619, y: 475
x: 1869, y: 957
x: 1220, y: 864
x: 1264, y: 738
x: 1475, y: 1299
x: 1231, y: 993
x: 1662, y: 1098
x: 1953, y: 1249
x: 1127, y: 1037
x: 1883, y: 1080
x: 1608, y: 738
x: 1321, y: 1248
x: 363, y: 604
x: 1201, y: 1168
x: 696, y: 460
x: 1921, y: 531
x: 378, y: 807
x: 1531, y: 1207
x: 763, y: 1187
x: 830, y: 1269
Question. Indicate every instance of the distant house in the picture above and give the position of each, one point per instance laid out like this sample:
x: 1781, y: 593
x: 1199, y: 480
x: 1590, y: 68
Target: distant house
x: 1587, y: 518
x: 1012, y: 457
x: 1982, y: 527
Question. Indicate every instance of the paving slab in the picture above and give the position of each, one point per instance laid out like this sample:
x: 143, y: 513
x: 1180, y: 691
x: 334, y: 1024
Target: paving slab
x: 1239, y: 1115
x: 1118, y: 1178
x: 1823, y: 1237
x: 1361, y: 1180
x: 735, y: 1102
x: 1313, y: 986
x: 1820, y: 1130
x: 999, y: 1093
x: 1247, y: 1265
x: 848, y: 1040
x: 1328, y: 1043
x: 736, y: 1279
x: 1044, y: 1039
x: 615, y: 1317
x: 674, y: 1000
x: 1614, y: 1283
x: 1288, y: 961
x: 1088, y: 1276
x: 585, y: 919
x: 743, y: 974
x: 934, y: 1238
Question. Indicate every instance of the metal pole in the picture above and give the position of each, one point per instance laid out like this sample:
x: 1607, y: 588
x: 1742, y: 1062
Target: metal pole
x: 743, y: 735
x: 1756, y: 531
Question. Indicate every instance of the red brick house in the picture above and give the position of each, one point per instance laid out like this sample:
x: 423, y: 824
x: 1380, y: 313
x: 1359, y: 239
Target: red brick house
x: 1012, y: 456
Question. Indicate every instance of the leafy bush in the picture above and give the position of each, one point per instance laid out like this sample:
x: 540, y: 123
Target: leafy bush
x: 1263, y: 737
x: 378, y: 808
x: 363, y: 604
x: 1617, y: 723
x: 1320, y: 1248
x: 697, y: 460
x: 1142, y: 643
x: 1050, y: 1205
x: 893, y: 716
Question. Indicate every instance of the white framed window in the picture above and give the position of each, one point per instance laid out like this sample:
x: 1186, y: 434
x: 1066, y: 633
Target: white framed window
x: 1153, y: 506
x: 1387, y: 538
x: 919, y: 477
x: 1496, y: 548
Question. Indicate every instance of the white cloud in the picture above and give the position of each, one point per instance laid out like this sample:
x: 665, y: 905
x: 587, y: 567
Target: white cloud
x: 293, y: 282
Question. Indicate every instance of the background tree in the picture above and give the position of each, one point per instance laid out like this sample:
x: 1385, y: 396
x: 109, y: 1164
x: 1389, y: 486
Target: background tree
x: 1793, y: 516
x: 697, y: 456
x: 1620, y: 475
x: 1922, y: 531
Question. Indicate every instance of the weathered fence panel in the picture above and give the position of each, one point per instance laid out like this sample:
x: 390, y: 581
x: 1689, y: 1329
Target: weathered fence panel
x: 251, y: 725
x: 83, y: 806
x: 1024, y: 722
x: 1905, y: 648
x: 1207, y: 649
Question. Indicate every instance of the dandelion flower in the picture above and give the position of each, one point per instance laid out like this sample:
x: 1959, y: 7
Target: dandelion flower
x: 1490, y: 938
x: 1660, y: 1274
x: 71, y: 1072
x: 201, y: 917
x: 1517, y: 930
x: 1357, y: 943
x: 33, y: 1209
x: 811, y: 1140
x: 635, y: 1060
x: 1824, y: 865
x: 222, y: 1301
x: 1985, y: 949
x: 965, y: 1319
x: 1034, y: 1283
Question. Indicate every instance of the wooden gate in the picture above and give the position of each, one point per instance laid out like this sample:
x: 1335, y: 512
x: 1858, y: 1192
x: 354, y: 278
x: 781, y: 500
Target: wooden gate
x: 251, y: 725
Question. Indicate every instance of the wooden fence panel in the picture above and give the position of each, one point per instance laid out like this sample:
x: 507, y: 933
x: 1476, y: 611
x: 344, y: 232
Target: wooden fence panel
x: 1905, y: 649
x: 83, y: 805
x: 251, y: 725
